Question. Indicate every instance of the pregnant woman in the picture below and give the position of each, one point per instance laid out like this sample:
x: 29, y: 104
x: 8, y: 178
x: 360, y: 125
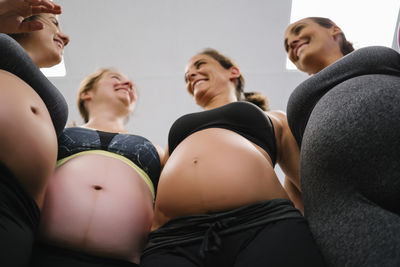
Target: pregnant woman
x: 98, y: 208
x: 33, y: 113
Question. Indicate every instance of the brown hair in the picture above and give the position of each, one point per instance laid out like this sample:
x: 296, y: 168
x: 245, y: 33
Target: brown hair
x: 254, y: 97
x: 88, y: 84
x: 345, y: 47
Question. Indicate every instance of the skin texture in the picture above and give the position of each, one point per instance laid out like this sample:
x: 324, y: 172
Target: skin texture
x: 312, y: 47
x: 13, y: 13
x: 26, y: 117
x: 114, y: 89
x: 211, y: 159
x: 46, y: 46
x: 97, y: 204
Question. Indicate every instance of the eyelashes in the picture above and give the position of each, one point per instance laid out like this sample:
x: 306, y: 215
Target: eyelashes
x: 298, y: 29
x: 116, y: 77
x: 197, y: 65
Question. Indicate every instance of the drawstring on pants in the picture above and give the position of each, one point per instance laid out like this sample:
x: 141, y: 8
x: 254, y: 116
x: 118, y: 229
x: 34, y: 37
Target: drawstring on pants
x: 212, y: 241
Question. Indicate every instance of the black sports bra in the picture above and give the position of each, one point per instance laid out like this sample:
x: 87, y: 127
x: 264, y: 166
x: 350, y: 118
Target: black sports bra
x: 244, y: 118
x: 136, y: 148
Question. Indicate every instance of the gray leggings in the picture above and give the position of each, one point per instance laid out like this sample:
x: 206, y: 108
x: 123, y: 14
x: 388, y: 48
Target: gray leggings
x: 346, y: 119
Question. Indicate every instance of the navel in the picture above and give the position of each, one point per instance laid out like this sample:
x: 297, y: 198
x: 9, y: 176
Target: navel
x: 97, y: 187
x: 34, y: 110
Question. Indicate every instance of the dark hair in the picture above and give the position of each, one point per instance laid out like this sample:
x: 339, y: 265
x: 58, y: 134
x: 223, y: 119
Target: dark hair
x: 253, y: 97
x: 345, y: 47
x: 19, y: 36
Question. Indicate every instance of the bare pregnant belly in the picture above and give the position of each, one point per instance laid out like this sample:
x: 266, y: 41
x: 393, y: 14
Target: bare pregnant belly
x: 98, y: 205
x: 214, y: 170
x: 28, y: 142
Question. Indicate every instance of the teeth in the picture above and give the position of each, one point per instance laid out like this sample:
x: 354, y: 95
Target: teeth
x: 299, y: 50
x: 199, y: 82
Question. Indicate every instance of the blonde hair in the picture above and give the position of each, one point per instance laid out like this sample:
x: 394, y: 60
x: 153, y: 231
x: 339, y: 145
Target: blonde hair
x: 88, y: 84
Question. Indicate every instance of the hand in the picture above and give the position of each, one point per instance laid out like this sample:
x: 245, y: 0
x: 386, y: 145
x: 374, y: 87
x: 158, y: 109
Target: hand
x: 13, y: 12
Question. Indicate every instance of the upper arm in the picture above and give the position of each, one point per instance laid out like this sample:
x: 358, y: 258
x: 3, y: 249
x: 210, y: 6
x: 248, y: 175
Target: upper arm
x: 288, y: 155
x: 294, y: 194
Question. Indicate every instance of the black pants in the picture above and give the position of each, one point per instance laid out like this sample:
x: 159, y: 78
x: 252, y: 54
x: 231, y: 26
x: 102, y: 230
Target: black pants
x: 51, y: 256
x: 19, y: 219
x: 284, y: 242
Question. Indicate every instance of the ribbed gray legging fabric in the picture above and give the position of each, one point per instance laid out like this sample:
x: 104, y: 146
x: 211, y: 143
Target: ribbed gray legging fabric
x: 346, y: 120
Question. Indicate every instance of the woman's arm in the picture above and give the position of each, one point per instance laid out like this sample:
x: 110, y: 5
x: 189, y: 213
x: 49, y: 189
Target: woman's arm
x: 288, y: 157
x: 294, y: 194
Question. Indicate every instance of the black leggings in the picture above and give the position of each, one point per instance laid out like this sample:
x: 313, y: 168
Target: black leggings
x: 15, y: 60
x: 52, y: 256
x: 19, y: 218
x: 270, y: 233
x: 281, y: 243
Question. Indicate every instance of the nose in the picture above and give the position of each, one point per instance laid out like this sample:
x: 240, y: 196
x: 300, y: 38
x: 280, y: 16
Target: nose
x: 191, y: 74
x: 127, y: 83
x: 293, y: 43
x: 64, y: 37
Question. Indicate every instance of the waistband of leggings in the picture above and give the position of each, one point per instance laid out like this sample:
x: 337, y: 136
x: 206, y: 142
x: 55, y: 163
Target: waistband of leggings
x: 193, y: 228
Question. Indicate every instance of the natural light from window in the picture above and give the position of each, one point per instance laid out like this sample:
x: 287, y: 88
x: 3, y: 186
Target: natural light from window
x: 364, y: 22
x: 55, y: 71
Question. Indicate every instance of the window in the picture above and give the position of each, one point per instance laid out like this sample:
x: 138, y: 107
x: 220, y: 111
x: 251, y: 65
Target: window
x: 364, y: 22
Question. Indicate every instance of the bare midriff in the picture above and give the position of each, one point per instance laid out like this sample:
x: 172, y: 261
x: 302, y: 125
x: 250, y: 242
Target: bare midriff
x: 28, y: 142
x: 214, y: 170
x: 97, y: 205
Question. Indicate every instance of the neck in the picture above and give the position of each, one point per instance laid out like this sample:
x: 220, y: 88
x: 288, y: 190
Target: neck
x: 220, y: 100
x: 106, y: 123
x: 31, y: 55
x: 329, y: 60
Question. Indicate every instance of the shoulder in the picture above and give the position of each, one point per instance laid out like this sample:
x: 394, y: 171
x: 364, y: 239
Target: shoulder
x: 281, y: 126
x: 277, y: 117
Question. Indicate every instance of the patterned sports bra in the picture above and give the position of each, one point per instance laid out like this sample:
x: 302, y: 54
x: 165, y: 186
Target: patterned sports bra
x: 135, y: 150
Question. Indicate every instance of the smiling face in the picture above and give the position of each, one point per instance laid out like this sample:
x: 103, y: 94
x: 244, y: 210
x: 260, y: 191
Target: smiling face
x: 106, y: 88
x: 45, y: 46
x: 115, y: 86
x: 312, y: 47
x: 206, y: 78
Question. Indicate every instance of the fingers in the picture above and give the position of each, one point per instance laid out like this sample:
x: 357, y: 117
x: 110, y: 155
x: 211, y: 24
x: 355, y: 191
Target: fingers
x: 42, y: 9
x: 46, y: 3
x: 30, y: 26
x: 44, y: 6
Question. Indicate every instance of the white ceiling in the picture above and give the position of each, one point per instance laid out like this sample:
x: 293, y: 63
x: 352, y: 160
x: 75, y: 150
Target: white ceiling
x: 151, y: 41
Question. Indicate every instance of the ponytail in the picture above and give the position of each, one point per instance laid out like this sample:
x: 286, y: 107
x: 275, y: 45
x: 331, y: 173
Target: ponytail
x: 257, y: 99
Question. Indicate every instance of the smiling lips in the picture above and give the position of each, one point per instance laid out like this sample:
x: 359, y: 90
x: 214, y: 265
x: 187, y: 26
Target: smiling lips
x: 300, y: 48
x: 128, y: 90
x: 59, y: 43
x: 123, y: 88
x: 198, y: 82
